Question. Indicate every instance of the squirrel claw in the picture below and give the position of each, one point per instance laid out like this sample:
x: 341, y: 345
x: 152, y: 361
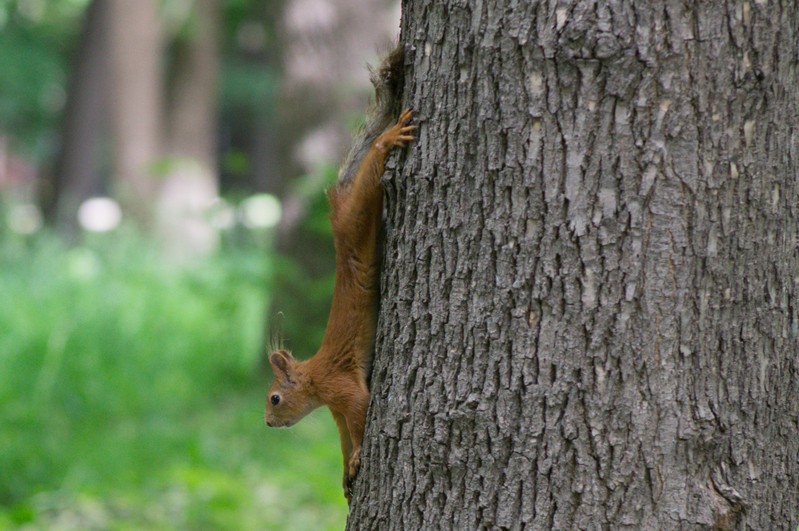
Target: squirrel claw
x: 406, y: 116
x: 347, y: 486
x: 397, y: 135
x: 349, y: 474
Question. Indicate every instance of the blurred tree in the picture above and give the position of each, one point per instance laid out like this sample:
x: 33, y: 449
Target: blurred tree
x: 37, y: 40
x: 38, y: 37
x: 249, y: 88
x: 190, y: 184
x: 137, y: 103
x: 589, y: 315
x: 326, y: 47
x: 77, y: 172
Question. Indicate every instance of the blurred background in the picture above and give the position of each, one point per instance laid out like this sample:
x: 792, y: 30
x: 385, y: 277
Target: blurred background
x: 162, y: 218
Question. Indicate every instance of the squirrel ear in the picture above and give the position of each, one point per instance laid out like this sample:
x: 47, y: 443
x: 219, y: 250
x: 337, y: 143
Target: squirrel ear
x: 280, y: 361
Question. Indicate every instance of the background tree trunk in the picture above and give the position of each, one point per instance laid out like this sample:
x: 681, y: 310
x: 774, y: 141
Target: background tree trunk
x: 137, y: 103
x: 588, y: 313
x: 77, y: 173
x: 191, y: 186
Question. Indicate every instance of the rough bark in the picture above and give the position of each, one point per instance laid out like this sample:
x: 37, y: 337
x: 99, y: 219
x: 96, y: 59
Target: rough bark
x: 588, y: 312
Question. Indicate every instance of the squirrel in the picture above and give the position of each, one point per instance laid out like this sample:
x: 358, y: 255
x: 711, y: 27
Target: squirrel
x: 336, y: 376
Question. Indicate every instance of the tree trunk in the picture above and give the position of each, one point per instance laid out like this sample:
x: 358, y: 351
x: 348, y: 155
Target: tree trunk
x: 191, y: 186
x: 588, y: 313
x: 77, y: 174
x: 136, y: 103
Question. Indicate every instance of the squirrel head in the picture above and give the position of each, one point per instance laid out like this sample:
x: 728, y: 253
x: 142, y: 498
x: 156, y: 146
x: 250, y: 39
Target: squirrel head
x: 289, y: 397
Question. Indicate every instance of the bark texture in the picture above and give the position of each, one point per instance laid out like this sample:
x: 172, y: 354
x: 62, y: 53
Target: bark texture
x: 589, y: 315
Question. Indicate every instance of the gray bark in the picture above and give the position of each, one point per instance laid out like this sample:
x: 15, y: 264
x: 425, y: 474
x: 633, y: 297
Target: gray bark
x: 588, y: 312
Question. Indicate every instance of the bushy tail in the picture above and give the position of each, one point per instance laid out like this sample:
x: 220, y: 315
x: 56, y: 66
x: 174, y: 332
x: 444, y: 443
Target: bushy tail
x: 381, y: 113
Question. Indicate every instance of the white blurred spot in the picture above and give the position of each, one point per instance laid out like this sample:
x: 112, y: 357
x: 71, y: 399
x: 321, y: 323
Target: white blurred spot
x: 260, y: 211
x: 221, y: 215
x: 99, y: 214
x: 24, y: 219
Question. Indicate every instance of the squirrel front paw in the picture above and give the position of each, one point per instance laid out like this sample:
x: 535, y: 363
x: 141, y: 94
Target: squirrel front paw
x: 398, y: 134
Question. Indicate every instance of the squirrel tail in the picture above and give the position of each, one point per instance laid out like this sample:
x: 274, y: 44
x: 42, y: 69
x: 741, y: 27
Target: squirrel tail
x: 387, y: 80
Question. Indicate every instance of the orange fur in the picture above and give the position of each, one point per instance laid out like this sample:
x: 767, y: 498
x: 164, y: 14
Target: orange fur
x: 336, y: 376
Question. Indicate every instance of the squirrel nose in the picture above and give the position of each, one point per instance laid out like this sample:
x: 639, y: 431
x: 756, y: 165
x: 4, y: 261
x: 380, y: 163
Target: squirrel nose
x: 268, y: 423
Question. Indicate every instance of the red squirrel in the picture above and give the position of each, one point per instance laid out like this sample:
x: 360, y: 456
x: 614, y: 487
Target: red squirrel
x: 336, y: 376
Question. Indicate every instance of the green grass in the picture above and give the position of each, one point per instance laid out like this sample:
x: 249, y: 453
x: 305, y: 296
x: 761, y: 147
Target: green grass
x: 130, y: 396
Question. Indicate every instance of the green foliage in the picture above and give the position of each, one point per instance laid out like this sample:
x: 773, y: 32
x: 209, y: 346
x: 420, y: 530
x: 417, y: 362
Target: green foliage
x: 248, y: 86
x: 36, y: 38
x: 129, y: 396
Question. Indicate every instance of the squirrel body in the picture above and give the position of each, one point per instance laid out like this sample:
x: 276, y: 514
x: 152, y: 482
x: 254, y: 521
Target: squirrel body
x: 336, y: 376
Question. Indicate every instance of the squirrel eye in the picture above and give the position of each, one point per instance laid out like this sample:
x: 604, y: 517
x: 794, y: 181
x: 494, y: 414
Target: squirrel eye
x: 275, y: 399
